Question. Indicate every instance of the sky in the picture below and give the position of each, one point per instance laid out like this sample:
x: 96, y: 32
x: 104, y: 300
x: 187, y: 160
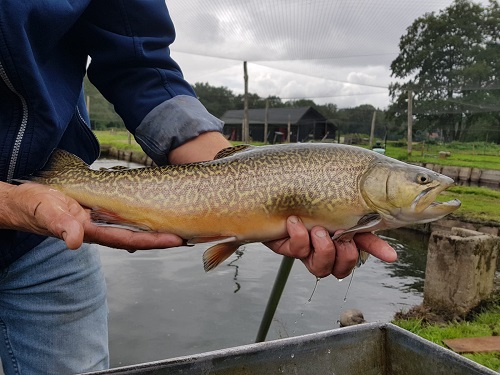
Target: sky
x: 330, y: 51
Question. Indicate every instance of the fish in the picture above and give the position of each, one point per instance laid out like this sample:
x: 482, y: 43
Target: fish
x: 247, y: 193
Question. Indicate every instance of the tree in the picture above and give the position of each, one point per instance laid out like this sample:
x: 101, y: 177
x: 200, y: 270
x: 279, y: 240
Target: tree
x: 217, y: 100
x: 451, y: 62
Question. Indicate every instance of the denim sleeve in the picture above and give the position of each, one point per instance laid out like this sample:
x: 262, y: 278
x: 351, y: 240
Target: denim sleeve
x: 173, y: 123
x: 129, y: 45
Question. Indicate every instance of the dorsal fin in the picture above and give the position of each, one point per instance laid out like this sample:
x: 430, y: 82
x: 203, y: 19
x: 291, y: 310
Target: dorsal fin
x: 59, y: 161
x: 228, y: 151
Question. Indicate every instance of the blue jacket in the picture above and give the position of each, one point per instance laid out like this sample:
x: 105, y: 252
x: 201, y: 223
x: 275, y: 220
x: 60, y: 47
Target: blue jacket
x: 44, y: 49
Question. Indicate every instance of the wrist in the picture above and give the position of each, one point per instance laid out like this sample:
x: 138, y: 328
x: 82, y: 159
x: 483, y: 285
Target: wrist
x: 202, y: 148
x: 7, y: 212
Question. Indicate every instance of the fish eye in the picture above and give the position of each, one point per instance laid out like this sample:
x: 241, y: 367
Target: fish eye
x: 423, y: 178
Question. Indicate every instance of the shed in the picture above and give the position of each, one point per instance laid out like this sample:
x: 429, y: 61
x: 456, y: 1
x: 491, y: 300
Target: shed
x: 306, y: 124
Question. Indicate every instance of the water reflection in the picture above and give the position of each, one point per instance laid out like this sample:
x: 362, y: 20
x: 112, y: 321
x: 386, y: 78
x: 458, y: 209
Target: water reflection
x: 411, y: 247
x: 238, y: 254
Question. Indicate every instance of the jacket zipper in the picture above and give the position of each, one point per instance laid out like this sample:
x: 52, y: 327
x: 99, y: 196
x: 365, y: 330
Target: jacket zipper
x: 22, y: 129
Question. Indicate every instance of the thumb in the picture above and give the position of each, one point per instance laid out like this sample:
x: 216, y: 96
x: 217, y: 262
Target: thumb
x: 68, y: 229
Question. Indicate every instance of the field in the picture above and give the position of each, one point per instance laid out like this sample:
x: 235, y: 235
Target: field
x: 478, y: 155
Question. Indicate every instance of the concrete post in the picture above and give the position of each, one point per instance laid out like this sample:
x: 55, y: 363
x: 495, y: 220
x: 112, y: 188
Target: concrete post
x: 460, y: 270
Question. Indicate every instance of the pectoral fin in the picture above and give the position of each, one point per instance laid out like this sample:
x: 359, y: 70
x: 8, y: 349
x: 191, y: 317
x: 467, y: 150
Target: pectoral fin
x: 219, y: 239
x: 104, y: 217
x: 367, y: 223
x: 218, y: 253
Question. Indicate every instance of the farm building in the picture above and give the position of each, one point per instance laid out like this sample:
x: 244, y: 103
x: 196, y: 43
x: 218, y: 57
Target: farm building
x: 306, y: 124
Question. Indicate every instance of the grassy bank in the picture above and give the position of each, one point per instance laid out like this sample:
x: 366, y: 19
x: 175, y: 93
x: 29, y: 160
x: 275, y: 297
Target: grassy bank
x: 484, y: 322
x: 117, y: 138
x: 479, y: 155
x: 478, y: 203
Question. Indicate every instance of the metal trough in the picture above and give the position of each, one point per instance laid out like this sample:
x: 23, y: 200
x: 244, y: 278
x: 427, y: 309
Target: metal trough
x: 368, y: 349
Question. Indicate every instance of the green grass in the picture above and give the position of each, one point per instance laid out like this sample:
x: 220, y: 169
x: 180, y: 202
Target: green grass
x: 478, y: 203
x: 118, y: 139
x: 474, y: 155
x: 484, y: 324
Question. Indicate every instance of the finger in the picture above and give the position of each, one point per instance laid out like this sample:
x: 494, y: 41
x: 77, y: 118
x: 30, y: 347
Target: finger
x: 375, y: 246
x: 322, y: 257
x: 346, y: 259
x: 297, y: 245
x: 129, y: 240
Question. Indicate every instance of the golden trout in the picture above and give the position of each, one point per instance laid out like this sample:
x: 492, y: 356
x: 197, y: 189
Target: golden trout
x: 246, y: 193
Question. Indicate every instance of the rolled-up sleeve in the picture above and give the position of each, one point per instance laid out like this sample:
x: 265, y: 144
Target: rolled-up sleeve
x: 173, y: 123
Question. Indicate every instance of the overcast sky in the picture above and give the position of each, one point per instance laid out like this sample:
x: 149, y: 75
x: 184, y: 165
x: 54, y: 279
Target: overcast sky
x: 330, y: 51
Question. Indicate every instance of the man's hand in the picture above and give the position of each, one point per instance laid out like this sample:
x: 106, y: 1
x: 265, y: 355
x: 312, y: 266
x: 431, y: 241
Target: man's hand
x: 324, y: 257
x: 40, y: 209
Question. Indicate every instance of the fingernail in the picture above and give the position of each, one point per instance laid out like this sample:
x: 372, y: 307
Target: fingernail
x: 64, y: 235
x: 293, y: 219
x: 320, y: 233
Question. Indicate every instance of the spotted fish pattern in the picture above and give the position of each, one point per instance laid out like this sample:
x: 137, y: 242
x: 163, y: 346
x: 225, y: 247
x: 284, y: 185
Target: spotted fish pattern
x: 247, y: 193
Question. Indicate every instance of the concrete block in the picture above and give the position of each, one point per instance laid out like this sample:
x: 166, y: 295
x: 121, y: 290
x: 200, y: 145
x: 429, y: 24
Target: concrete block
x: 490, y: 177
x: 464, y: 173
x: 461, y: 267
x: 452, y: 172
x: 475, y: 175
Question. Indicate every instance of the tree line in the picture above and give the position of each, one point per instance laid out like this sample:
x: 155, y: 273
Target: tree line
x: 450, y: 62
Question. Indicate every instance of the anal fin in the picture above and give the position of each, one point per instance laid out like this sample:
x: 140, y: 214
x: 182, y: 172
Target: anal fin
x: 216, y: 254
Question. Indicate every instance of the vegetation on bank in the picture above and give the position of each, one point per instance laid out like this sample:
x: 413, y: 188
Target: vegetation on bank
x: 483, y: 322
x: 481, y: 155
x: 478, y: 203
x: 117, y: 138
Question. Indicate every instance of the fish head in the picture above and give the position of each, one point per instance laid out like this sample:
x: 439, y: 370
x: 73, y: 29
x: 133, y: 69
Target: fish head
x: 405, y: 194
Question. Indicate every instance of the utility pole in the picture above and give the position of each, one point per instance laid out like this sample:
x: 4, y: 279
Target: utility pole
x: 289, y: 129
x: 266, y: 121
x: 245, y: 133
x: 372, y: 131
x: 410, y: 120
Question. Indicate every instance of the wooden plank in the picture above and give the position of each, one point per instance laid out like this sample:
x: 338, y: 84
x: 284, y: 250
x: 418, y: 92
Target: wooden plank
x: 474, y: 344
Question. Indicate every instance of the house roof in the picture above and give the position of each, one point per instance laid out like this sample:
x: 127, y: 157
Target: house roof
x: 275, y: 115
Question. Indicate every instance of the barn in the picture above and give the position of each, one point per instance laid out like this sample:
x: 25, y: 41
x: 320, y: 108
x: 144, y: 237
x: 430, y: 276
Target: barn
x: 305, y: 124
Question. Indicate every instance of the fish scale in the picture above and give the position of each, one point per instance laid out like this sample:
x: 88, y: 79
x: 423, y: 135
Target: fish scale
x: 247, y: 193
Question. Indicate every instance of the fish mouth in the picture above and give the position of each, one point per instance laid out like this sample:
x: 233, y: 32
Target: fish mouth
x: 427, y: 209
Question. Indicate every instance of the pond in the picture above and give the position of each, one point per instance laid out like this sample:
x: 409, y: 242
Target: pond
x: 163, y: 305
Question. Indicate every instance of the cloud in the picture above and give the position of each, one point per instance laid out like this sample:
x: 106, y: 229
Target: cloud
x: 336, y: 51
